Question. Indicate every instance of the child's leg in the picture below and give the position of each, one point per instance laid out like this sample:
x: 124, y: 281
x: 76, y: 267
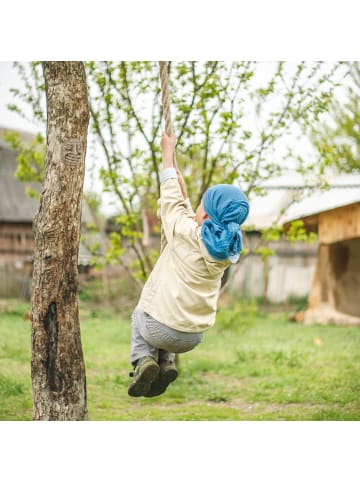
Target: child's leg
x: 152, y: 338
x: 139, y: 347
x: 168, y: 373
x: 166, y: 356
x: 144, y: 359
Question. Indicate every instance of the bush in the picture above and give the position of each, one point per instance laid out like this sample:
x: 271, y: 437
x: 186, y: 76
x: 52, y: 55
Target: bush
x: 239, y: 317
x: 119, y: 292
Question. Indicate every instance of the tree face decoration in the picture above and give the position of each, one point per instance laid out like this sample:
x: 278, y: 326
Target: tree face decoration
x: 71, y: 152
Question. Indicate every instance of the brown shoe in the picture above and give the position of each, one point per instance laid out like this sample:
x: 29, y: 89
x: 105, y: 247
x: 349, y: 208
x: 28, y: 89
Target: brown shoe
x: 145, y: 373
x: 167, y: 375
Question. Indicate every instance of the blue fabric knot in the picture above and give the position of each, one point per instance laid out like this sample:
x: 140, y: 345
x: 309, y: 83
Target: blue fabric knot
x: 228, y: 207
x: 233, y: 227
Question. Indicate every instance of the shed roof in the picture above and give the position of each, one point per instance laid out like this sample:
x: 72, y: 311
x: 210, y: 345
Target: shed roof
x: 322, y: 201
x: 281, y: 195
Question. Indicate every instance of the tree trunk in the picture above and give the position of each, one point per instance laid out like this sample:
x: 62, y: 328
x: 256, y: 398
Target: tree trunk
x: 57, y: 366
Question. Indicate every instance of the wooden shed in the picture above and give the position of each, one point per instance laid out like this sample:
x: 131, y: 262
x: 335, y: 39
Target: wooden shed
x: 335, y: 294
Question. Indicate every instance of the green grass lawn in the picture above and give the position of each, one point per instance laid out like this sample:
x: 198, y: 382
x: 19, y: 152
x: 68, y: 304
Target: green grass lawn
x: 251, y: 366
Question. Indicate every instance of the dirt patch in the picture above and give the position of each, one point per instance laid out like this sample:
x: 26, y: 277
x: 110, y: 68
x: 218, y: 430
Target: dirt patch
x: 254, y: 409
x: 259, y: 407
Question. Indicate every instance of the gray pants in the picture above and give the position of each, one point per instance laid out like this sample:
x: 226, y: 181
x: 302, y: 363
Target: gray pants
x: 149, y: 337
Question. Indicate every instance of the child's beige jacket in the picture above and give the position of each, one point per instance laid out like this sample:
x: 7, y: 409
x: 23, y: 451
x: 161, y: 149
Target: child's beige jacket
x: 183, y: 288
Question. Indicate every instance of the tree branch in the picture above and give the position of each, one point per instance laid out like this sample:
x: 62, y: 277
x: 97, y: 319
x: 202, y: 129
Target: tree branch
x: 108, y: 159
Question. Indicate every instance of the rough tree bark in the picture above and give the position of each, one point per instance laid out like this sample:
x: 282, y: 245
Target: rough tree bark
x: 57, y: 366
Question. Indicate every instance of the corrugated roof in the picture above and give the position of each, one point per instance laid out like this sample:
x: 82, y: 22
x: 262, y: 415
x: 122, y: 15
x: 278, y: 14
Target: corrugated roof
x: 265, y: 210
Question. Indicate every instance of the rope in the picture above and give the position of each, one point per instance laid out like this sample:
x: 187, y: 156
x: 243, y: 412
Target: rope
x: 166, y: 101
x: 168, y: 125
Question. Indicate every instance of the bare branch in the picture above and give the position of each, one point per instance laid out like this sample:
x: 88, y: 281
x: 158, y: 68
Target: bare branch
x: 196, y: 90
x: 108, y: 159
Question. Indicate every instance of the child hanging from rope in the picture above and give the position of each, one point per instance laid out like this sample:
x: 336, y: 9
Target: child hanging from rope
x: 179, y: 300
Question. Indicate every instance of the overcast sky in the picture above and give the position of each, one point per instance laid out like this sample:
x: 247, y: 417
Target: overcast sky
x: 8, y: 79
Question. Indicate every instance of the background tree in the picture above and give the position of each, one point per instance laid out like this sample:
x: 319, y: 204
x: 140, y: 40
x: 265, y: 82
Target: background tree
x: 58, y: 372
x: 338, y: 139
x: 242, y: 122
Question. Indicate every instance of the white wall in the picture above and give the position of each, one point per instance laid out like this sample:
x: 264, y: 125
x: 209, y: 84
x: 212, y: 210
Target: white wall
x: 291, y: 272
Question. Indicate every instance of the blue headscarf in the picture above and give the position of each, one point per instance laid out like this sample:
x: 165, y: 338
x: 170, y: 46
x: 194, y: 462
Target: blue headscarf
x: 228, y: 207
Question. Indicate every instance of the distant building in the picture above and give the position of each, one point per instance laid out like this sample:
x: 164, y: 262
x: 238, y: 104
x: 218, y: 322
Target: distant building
x: 17, y: 211
x: 335, y: 292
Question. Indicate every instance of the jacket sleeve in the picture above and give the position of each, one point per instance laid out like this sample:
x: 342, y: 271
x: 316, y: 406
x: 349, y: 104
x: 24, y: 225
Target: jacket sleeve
x: 177, y: 216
